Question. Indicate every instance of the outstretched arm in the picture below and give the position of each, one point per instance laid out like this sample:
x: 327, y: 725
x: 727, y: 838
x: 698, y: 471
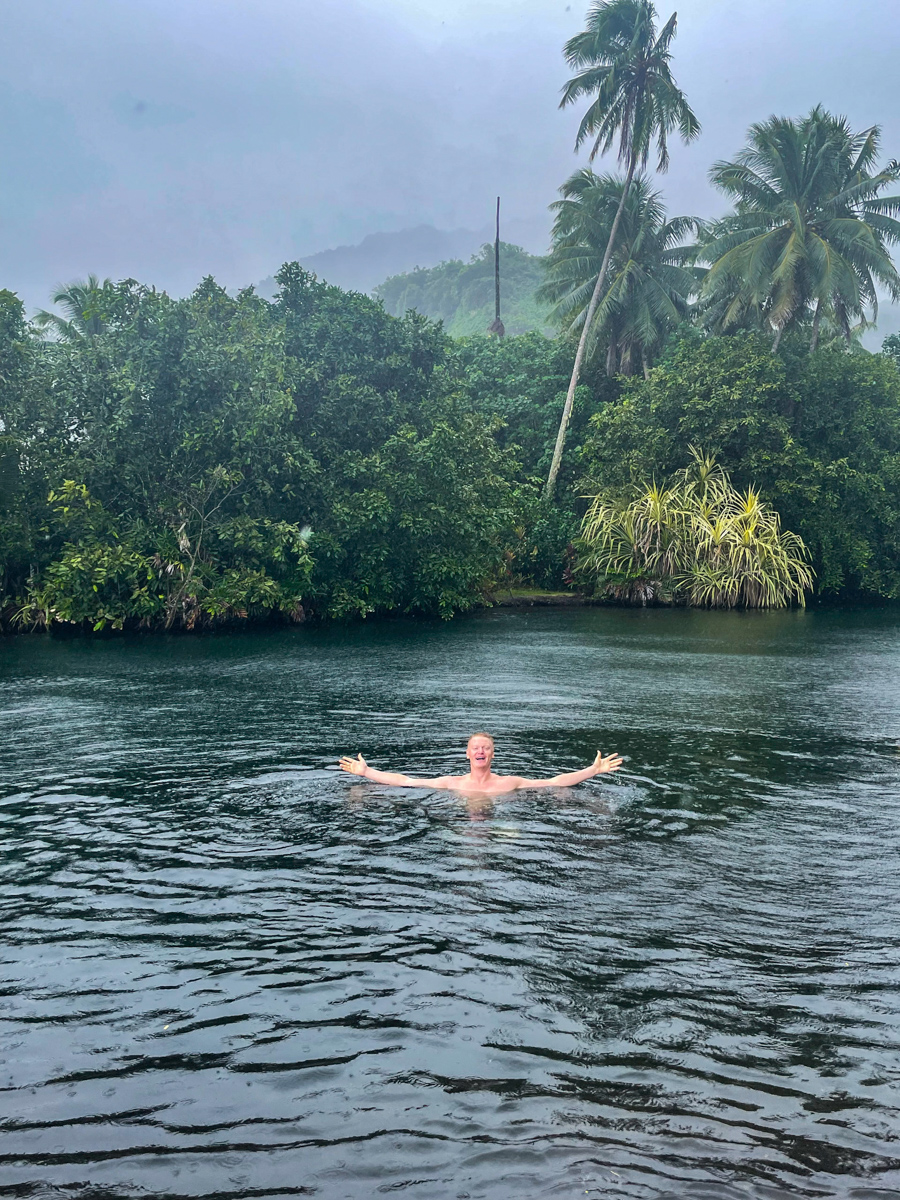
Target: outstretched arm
x: 359, y: 766
x: 600, y: 766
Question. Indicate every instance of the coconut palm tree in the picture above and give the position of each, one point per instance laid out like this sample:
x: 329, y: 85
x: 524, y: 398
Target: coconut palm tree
x: 647, y: 282
x: 86, y: 304
x: 810, y: 235
x: 623, y: 64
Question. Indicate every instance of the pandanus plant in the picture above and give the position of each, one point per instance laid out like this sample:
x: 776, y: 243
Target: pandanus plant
x: 698, y: 541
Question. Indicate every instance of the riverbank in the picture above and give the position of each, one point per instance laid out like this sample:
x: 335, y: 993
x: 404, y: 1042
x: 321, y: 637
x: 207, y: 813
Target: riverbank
x: 536, y: 597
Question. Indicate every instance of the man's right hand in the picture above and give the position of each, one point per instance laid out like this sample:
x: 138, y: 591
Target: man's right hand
x: 356, y: 766
x: 612, y: 762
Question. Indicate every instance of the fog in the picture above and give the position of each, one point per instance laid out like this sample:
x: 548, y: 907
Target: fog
x: 167, y: 141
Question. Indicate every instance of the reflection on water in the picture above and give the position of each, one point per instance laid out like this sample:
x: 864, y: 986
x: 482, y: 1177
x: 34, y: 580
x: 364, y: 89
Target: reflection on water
x: 232, y: 971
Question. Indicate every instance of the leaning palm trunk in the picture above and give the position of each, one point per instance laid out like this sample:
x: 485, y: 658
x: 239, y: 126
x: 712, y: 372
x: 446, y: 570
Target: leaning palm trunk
x: 582, y: 341
x: 814, y: 342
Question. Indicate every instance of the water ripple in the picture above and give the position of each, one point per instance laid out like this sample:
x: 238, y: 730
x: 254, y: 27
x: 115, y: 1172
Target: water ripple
x: 229, y: 971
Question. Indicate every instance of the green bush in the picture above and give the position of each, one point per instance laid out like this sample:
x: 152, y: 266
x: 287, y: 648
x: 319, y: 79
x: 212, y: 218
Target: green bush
x: 696, y: 540
x: 199, y: 460
x: 818, y: 434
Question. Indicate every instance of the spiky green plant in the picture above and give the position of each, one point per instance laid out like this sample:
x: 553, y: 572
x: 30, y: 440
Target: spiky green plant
x: 697, y: 541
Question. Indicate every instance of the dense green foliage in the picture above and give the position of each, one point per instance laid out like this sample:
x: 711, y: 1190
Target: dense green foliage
x: 207, y: 459
x: 462, y: 294
x: 818, y: 434
x: 217, y: 457
x: 696, y: 540
x: 521, y: 382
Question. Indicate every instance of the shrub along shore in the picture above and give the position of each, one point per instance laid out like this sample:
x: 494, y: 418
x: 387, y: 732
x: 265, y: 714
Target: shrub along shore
x: 218, y: 459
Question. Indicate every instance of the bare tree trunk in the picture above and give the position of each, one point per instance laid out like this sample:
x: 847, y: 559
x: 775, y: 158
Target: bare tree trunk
x: 644, y: 365
x: 814, y: 343
x: 778, y: 332
x: 611, y: 358
x: 497, y: 266
x: 550, y: 486
x: 496, y: 325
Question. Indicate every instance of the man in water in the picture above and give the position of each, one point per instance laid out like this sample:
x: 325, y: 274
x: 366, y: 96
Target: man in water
x: 480, y: 753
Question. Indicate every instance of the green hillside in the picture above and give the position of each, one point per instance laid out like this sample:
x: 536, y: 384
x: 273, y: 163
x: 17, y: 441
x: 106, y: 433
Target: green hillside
x: 461, y: 294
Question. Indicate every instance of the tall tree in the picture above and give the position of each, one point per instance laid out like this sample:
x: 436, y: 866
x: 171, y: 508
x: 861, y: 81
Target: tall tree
x: 648, y: 283
x: 87, y: 305
x: 810, y: 235
x: 624, y: 64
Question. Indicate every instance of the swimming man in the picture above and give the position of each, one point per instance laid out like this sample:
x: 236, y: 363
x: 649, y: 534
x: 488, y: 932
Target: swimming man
x: 480, y: 753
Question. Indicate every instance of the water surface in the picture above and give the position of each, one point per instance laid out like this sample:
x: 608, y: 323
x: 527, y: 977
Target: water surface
x: 230, y: 971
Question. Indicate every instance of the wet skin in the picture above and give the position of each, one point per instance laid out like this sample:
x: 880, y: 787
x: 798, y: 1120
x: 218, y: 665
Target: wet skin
x: 481, y: 780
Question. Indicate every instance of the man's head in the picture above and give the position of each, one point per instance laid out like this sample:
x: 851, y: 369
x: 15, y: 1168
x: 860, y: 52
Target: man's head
x: 480, y: 750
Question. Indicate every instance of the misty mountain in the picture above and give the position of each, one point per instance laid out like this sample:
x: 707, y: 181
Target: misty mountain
x: 461, y: 294
x: 379, y: 256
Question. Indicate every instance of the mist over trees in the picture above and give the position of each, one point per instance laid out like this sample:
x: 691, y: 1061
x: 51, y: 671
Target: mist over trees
x: 461, y: 294
x: 174, y: 464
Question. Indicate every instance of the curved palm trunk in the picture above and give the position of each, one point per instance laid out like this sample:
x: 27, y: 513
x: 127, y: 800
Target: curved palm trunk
x: 550, y: 486
x: 814, y: 342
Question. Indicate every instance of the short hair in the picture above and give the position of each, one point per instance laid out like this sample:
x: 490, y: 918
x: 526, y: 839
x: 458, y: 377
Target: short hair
x: 480, y: 733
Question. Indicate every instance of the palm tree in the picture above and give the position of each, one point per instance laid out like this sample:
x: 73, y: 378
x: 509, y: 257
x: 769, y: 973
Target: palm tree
x: 624, y: 64
x: 810, y: 235
x: 647, y: 284
x: 86, y: 303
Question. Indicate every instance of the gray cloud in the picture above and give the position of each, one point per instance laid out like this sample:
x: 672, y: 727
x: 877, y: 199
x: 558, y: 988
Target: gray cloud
x: 167, y: 140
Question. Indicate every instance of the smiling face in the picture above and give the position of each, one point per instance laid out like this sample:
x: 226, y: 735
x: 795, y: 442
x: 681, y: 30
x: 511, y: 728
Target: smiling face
x: 480, y: 751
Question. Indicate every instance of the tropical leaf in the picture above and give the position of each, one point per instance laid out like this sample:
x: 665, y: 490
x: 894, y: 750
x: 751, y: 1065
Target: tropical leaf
x: 809, y: 240
x: 649, y: 280
x: 696, y: 540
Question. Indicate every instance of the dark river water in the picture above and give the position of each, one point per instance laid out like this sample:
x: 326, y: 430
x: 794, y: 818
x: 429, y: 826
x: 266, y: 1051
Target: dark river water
x: 229, y: 970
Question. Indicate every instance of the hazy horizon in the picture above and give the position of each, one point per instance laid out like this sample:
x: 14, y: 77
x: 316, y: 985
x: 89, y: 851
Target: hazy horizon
x: 167, y: 142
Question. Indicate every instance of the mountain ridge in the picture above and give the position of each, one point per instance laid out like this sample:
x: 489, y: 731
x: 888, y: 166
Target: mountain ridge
x: 363, y: 266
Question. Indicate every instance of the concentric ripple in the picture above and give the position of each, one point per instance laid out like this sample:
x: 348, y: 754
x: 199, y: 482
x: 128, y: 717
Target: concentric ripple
x: 230, y: 971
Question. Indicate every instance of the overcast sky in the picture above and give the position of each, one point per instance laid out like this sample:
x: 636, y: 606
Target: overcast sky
x: 169, y: 139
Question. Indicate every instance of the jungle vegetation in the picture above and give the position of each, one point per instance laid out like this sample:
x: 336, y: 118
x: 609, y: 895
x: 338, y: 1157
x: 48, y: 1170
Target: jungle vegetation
x: 704, y: 427
x: 695, y: 538
x: 461, y: 294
